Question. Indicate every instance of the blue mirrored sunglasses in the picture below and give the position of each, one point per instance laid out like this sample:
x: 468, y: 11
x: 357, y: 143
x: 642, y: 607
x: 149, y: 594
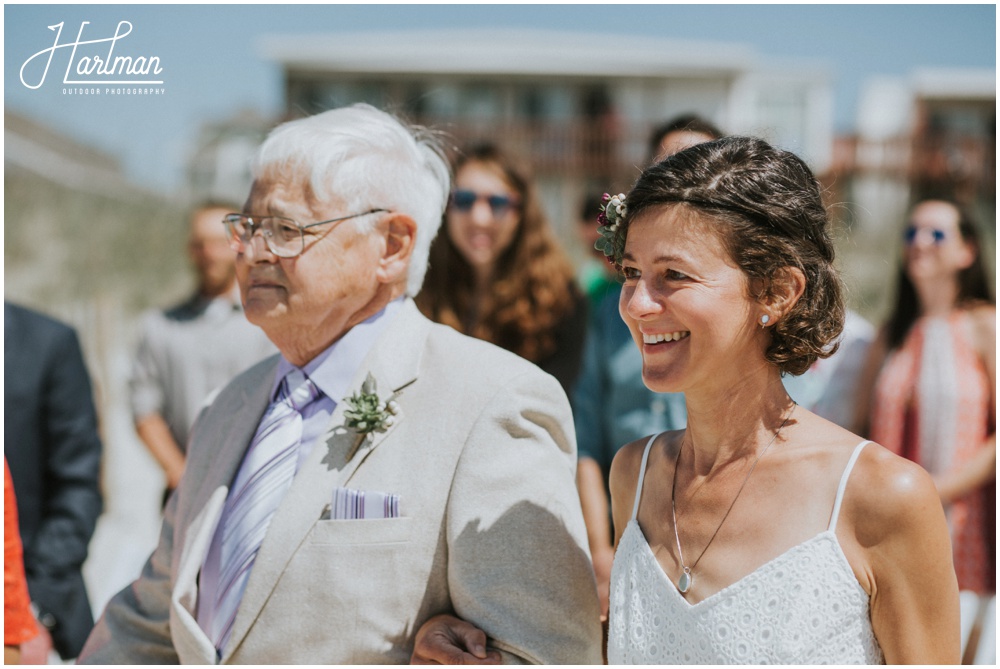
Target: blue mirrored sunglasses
x: 910, y: 234
x: 465, y: 200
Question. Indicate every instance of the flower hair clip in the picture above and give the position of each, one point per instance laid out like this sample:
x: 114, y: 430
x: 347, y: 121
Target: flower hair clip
x: 609, y: 220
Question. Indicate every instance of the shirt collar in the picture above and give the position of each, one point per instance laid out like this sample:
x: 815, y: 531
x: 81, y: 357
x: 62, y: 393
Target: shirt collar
x: 333, y: 369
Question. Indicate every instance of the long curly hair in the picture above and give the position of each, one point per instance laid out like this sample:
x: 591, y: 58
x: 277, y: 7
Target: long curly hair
x: 768, y: 207
x: 532, y: 284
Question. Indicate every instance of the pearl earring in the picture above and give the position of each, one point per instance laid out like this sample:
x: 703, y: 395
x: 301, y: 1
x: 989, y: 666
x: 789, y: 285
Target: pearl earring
x: 764, y: 320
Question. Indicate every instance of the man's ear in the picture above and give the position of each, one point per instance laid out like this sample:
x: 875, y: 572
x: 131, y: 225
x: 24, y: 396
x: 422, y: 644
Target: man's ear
x: 783, y: 291
x: 400, y: 234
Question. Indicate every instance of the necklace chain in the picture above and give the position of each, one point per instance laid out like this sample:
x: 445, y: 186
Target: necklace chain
x: 687, y: 577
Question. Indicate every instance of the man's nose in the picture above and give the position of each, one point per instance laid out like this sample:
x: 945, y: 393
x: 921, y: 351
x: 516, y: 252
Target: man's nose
x: 256, y: 250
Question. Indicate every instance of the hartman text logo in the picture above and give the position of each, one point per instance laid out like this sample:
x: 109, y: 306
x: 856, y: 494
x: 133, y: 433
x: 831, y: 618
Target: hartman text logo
x: 95, y: 61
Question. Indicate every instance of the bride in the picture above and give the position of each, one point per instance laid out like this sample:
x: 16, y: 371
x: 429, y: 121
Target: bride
x: 761, y: 533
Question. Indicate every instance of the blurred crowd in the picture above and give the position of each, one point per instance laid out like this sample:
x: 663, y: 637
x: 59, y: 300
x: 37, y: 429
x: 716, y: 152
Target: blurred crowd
x: 922, y: 384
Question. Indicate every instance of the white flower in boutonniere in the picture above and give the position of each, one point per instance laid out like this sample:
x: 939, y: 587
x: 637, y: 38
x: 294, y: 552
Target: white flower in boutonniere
x: 613, y: 212
x: 366, y: 413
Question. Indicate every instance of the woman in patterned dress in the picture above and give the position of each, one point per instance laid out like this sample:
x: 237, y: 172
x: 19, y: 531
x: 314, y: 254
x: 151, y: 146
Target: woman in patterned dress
x: 931, y: 383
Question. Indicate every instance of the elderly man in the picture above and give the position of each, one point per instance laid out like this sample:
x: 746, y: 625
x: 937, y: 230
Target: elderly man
x: 382, y: 469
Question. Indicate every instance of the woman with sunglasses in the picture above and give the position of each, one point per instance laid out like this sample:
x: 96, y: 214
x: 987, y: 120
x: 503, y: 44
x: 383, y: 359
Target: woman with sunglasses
x: 929, y: 390
x: 497, y: 273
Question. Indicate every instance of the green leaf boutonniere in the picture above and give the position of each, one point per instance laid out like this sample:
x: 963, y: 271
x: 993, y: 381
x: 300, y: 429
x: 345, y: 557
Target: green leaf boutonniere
x: 367, y: 414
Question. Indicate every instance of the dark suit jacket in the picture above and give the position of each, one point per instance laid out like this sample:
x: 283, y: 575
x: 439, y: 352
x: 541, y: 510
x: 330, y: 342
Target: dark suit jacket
x: 54, y: 453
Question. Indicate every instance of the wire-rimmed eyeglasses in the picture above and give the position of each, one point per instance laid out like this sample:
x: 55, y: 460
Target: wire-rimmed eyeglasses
x: 285, y: 237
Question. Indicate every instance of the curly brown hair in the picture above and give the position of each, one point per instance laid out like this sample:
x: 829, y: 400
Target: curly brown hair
x: 769, y: 210
x: 532, y: 287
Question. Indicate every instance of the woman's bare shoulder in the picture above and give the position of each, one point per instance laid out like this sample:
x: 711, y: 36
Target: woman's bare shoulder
x: 983, y: 318
x: 625, y: 467
x: 626, y: 463
x: 888, y: 496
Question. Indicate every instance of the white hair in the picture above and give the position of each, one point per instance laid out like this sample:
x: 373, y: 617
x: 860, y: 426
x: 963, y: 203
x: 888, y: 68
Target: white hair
x: 364, y: 158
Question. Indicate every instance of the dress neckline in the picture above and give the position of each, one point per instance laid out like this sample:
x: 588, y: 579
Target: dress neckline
x: 741, y: 582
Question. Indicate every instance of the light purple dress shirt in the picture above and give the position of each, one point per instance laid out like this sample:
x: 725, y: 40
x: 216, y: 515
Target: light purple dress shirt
x: 332, y: 371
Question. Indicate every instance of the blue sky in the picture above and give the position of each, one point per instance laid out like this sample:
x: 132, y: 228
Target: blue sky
x: 213, y: 66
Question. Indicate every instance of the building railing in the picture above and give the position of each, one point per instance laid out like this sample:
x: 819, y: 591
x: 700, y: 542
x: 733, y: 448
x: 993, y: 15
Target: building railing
x: 964, y: 164
x: 610, y: 152
x: 580, y: 149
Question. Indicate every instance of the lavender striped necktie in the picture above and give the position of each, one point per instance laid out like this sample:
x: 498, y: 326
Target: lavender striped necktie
x: 263, y: 479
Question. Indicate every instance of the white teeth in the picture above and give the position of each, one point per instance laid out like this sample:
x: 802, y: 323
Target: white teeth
x: 669, y: 336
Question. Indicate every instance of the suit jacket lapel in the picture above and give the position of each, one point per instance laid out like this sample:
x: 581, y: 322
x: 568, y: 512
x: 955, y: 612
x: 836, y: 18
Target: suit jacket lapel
x: 393, y: 361
x: 234, y: 430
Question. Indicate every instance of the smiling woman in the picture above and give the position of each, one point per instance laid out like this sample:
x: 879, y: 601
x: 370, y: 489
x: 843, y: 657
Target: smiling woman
x: 814, y: 553
x: 497, y: 272
x: 761, y: 533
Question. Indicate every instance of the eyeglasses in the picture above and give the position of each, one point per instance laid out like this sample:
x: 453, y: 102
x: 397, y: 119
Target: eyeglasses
x: 465, y: 200
x: 911, y: 232
x: 284, y: 237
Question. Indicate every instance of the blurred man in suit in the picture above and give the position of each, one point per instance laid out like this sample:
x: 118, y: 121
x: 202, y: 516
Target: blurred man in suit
x: 54, y: 453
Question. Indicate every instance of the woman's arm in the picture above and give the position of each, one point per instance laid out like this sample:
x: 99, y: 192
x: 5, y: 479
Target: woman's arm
x: 594, y: 502
x: 622, y: 481
x: 982, y: 468
x: 901, y: 546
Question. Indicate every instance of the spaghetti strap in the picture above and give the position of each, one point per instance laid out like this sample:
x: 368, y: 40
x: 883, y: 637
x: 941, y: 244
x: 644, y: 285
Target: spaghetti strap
x: 843, y: 484
x: 642, y: 474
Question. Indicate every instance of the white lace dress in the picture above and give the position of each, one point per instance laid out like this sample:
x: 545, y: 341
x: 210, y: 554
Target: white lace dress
x: 803, y: 607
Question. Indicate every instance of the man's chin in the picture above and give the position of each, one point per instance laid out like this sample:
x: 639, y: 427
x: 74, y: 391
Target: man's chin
x: 262, y: 311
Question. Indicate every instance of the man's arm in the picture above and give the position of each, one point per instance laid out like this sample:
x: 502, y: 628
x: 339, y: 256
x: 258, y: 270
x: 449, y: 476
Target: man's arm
x: 135, y: 625
x: 155, y: 433
x: 73, y: 499
x: 518, y: 563
x: 149, y: 401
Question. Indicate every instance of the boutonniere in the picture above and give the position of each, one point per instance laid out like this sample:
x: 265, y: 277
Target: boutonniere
x: 367, y: 413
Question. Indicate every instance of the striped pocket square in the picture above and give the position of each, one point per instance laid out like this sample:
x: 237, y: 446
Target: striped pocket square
x: 350, y: 504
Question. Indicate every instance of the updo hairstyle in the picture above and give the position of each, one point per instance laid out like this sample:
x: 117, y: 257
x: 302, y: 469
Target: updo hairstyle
x: 767, y: 207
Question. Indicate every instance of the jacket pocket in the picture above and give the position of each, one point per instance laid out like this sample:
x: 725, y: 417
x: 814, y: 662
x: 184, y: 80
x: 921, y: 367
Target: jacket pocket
x: 362, y: 531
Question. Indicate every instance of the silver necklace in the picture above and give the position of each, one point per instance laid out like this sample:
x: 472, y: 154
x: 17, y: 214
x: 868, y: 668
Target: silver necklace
x: 687, y: 576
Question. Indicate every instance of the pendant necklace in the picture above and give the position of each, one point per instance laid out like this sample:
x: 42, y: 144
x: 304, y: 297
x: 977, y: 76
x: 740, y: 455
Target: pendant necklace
x: 687, y: 576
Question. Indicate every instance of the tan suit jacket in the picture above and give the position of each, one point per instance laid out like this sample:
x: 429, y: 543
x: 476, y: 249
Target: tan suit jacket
x: 482, y: 455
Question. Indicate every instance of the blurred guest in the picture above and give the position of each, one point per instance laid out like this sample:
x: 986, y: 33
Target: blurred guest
x: 678, y: 134
x: 930, y: 385
x: 611, y: 404
x: 193, y: 348
x: 596, y: 276
x: 828, y: 387
x: 498, y: 273
x: 54, y: 451
x: 18, y: 623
